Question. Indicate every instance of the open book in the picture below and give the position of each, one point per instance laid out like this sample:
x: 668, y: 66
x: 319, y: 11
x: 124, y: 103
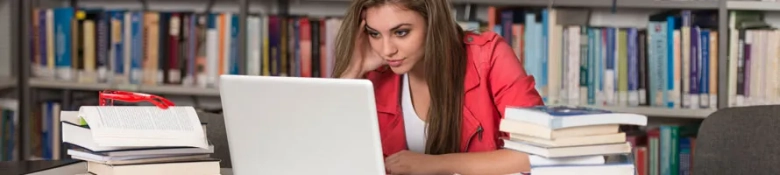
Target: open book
x: 144, y: 126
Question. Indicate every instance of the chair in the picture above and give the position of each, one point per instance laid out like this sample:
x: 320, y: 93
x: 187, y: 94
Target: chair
x: 741, y: 140
x: 215, y: 132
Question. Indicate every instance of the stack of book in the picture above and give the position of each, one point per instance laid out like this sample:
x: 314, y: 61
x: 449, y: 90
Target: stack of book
x: 565, y: 140
x: 118, y: 140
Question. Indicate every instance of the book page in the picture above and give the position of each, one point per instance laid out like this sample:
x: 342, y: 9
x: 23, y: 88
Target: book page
x: 144, y: 126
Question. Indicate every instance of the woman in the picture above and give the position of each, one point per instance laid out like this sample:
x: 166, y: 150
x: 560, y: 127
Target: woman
x: 440, y: 92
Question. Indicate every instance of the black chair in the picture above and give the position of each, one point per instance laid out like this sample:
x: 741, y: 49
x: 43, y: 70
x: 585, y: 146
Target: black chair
x: 741, y: 140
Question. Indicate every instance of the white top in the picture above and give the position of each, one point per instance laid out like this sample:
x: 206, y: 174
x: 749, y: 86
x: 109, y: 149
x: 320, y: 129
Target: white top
x: 413, y: 125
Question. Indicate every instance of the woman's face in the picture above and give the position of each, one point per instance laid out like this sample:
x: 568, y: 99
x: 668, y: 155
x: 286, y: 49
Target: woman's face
x: 398, y: 35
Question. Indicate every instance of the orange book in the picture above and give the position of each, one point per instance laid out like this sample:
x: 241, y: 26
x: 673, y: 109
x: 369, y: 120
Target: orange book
x: 151, y: 47
x: 221, y: 28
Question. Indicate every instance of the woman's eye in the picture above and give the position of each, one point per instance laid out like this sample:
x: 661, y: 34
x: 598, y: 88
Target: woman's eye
x: 401, y: 33
x: 373, y: 34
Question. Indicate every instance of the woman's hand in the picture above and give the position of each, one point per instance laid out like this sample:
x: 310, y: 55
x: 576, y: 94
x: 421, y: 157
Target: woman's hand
x: 408, y: 162
x: 364, y: 59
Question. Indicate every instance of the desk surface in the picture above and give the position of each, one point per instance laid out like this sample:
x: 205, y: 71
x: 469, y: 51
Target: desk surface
x: 27, y: 167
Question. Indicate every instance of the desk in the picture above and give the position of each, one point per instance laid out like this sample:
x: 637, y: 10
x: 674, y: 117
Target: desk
x: 55, y: 167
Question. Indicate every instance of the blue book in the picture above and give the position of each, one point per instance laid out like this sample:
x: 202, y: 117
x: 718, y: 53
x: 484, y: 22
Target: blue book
x: 695, y: 75
x: 671, y: 25
x: 117, y: 46
x: 544, y: 54
x: 136, y: 54
x: 234, y: 60
x: 704, y: 69
x: 591, y: 68
x: 63, y: 18
x: 558, y: 117
x: 633, y: 72
x: 42, y: 38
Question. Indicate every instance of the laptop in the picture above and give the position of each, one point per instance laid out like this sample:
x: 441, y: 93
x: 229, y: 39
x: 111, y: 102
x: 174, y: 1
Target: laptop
x: 293, y: 125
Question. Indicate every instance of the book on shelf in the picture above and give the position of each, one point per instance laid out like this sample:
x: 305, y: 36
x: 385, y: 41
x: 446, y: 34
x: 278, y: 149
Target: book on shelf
x: 139, y: 140
x: 9, y: 124
x: 666, y: 59
x: 587, y: 137
x: 187, y: 48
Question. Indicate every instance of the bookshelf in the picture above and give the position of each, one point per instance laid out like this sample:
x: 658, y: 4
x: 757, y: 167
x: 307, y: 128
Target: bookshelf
x: 161, y: 89
x: 29, y: 88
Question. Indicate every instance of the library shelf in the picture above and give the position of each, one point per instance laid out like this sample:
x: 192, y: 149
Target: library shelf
x: 668, y: 4
x: 159, y: 90
x: 660, y: 111
x: 644, y: 4
x: 753, y: 5
x: 7, y: 82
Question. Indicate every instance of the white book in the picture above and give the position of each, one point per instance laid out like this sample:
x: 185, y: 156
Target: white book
x: 589, y: 150
x: 47, y: 71
x: 193, y: 167
x: 752, y: 75
x: 127, y: 43
x: 133, y: 159
x: 571, y: 141
x: 144, y: 126
x: 565, y: 80
x: 212, y: 57
x: 253, y: 46
x: 554, y: 58
x: 582, y: 160
x: 609, y: 86
x: 574, y: 65
x: 765, y: 65
x: 558, y: 117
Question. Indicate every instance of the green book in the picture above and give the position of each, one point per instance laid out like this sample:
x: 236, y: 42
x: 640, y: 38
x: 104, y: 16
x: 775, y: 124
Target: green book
x: 622, y: 60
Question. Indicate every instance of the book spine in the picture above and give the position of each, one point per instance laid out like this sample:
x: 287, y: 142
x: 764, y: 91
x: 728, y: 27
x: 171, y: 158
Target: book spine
x: 63, y: 18
x: 704, y: 79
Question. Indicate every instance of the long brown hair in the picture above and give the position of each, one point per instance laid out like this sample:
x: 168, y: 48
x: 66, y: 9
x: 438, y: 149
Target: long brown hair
x: 444, y: 63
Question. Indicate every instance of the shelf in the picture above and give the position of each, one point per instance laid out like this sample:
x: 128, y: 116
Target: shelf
x: 660, y: 111
x: 669, y: 4
x: 161, y: 90
x: 7, y: 82
x: 753, y: 5
x: 644, y: 4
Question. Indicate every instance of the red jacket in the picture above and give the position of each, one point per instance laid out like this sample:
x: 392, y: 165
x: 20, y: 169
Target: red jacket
x: 495, y: 79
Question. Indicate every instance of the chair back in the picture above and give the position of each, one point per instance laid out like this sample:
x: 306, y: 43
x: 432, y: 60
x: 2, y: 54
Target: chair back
x: 740, y: 140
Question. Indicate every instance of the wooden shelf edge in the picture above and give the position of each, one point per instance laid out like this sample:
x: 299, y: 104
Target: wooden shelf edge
x: 7, y: 82
x: 161, y: 90
x: 753, y: 5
